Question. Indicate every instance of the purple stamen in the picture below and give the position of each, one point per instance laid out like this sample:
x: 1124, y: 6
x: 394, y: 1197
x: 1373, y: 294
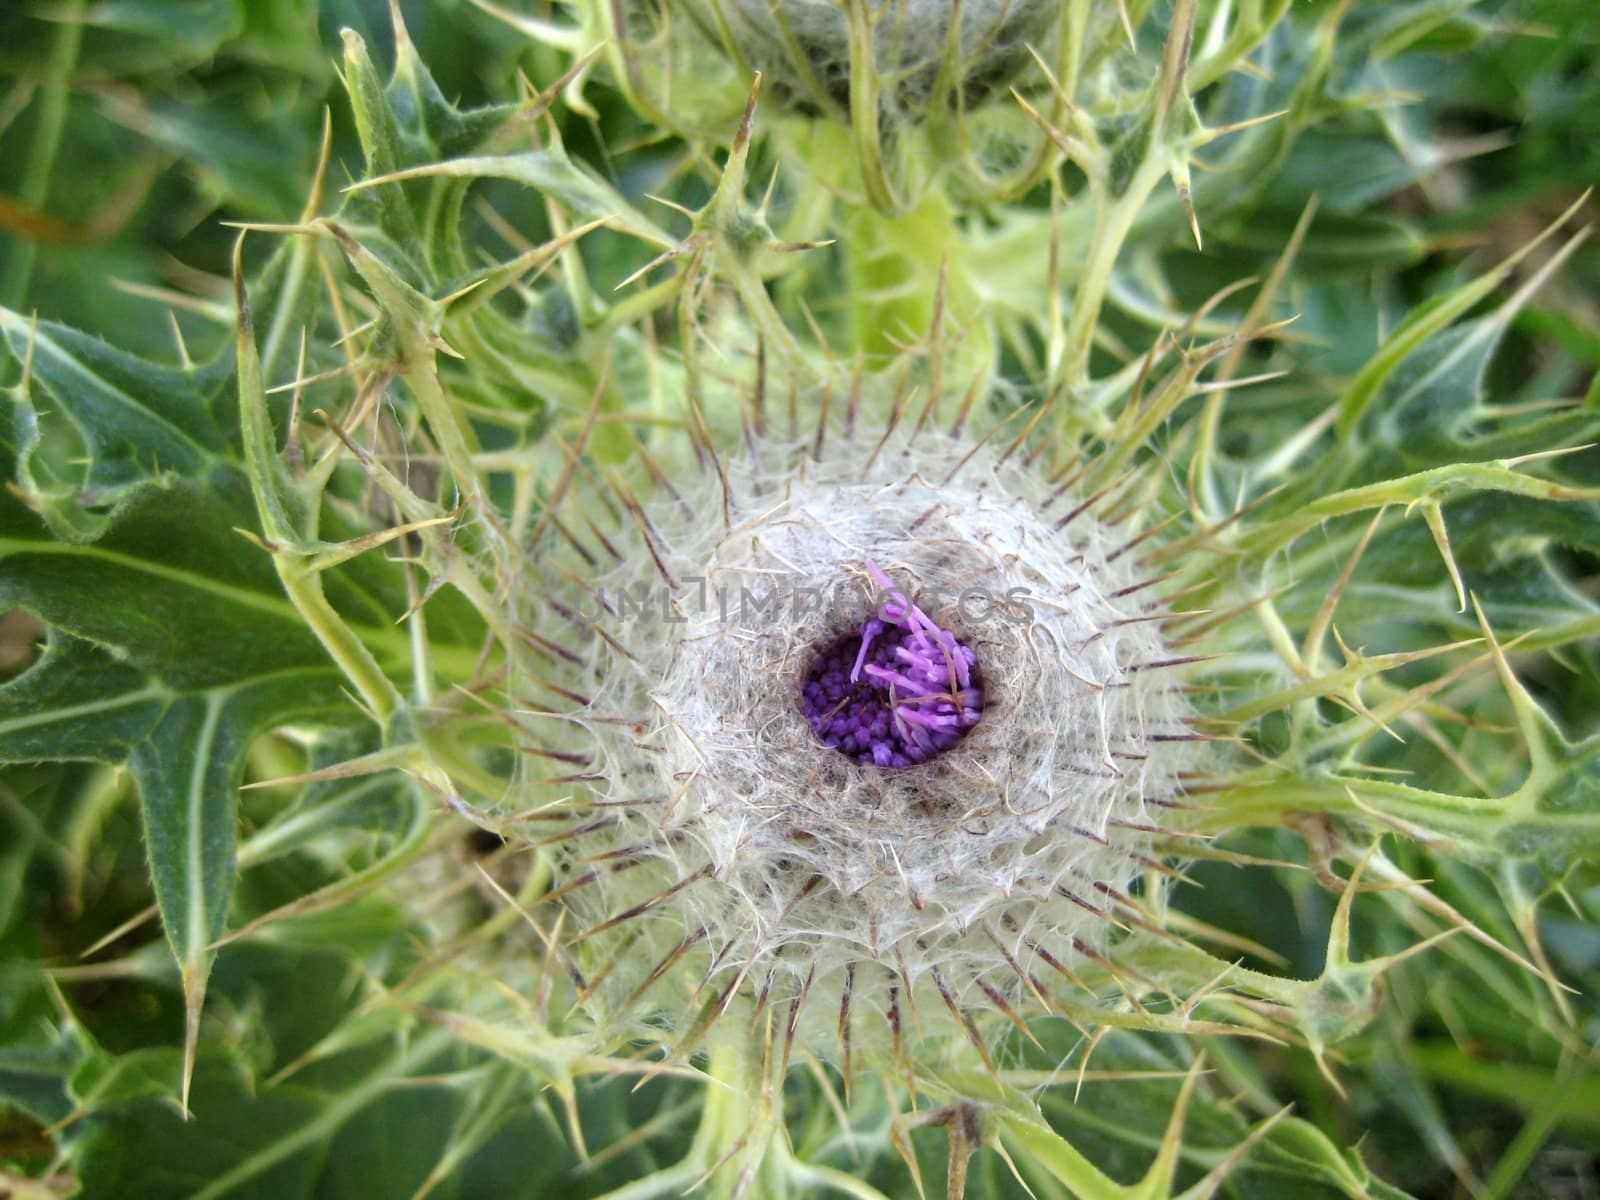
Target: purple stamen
x: 869, y: 633
x: 899, y: 692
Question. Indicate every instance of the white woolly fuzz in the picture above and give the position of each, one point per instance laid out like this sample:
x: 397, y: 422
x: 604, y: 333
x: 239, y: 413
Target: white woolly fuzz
x: 721, y: 824
x: 803, y: 46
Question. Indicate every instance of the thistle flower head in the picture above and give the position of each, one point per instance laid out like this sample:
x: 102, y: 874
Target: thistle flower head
x: 898, y: 716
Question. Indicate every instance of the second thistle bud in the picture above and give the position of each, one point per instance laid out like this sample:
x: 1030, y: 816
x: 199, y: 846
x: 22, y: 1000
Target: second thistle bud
x: 914, y: 56
x: 919, y: 87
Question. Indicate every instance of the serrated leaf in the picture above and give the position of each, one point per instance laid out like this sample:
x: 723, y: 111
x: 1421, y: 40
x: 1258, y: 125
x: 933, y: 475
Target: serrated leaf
x: 38, y: 1053
x: 137, y: 420
x: 272, y: 1142
x: 1429, y: 320
x: 102, y: 1080
x: 199, y: 610
x: 185, y: 750
x: 167, y: 653
x: 188, y: 770
x: 1120, y: 1123
x: 78, y: 702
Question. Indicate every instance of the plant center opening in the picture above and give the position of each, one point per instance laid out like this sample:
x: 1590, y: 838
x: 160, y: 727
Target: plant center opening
x: 896, y: 693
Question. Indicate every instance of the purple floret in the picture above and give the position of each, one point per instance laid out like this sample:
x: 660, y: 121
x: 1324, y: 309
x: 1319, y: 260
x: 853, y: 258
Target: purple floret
x: 899, y: 692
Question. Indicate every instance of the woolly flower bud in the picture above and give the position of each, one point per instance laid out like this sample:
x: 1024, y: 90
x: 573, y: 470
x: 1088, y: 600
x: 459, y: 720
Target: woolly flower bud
x: 869, y: 719
x: 804, y: 47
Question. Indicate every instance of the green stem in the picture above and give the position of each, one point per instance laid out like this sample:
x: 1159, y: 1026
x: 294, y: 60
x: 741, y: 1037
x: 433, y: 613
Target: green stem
x: 733, y: 1124
x: 1113, y: 221
x: 864, y: 124
x: 273, y: 495
x: 304, y: 589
